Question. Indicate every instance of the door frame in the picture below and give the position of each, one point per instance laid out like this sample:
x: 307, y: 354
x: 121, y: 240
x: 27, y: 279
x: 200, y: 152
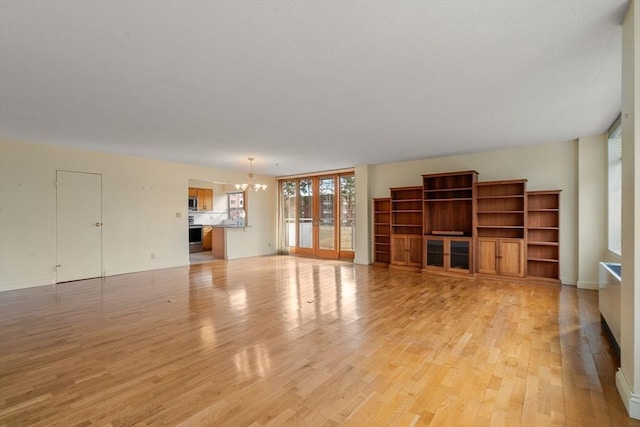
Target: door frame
x: 98, y: 223
x: 314, y: 250
x: 316, y: 207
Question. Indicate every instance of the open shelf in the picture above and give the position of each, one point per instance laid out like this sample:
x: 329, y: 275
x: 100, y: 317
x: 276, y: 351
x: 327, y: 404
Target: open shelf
x: 448, y: 202
x: 382, y: 230
x: 543, y: 232
x: 500, y: 209
x: 531, y: 243
x: 447, y: 216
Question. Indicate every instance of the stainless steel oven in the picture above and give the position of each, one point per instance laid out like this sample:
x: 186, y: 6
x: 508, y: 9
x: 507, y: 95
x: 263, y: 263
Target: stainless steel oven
x: 195, y: 238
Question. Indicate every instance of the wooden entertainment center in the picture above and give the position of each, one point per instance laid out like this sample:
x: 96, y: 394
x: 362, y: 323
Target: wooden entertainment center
x: 456, y: 225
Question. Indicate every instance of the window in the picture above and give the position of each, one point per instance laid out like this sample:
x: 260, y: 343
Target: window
x: 615, y: 188
x: 236, y: 207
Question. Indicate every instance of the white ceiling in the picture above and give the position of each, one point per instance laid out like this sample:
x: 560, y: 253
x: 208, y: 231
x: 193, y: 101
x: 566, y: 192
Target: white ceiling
x: 307, y: 85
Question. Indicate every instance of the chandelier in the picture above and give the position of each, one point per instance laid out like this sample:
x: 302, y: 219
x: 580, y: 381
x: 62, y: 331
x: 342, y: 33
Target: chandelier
x: 251, y: 185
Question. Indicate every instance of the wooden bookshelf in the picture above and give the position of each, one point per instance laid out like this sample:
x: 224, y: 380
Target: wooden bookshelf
x: 382, y: 231
x: 500, y: 208
x: 500, y: 211
x: 448, y: 202
x: 448, y: 221
x: 543, y: 229
x: 406, y: 210
x: 454, y: 224
x: 406, y: 227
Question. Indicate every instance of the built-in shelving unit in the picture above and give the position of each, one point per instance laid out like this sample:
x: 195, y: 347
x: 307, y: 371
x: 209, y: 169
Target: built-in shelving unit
x: 406, y: 227
x: 406, y: 210
x: 382, y: 231
x: 454, y: 224
x: 500, y: 208
x: 543, y: 229
x: 448, y: 221
x: 448, y: 203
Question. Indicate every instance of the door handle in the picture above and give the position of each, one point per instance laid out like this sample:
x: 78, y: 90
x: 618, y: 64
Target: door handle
x: 98, y: 224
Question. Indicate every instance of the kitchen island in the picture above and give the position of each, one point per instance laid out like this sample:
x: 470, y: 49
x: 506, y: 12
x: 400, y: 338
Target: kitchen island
x: 219, y: 239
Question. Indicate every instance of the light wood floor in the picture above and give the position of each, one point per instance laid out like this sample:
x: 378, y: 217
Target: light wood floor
x: 291, y: 341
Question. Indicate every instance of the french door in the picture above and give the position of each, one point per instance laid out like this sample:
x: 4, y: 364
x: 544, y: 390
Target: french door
x: 318, y: 215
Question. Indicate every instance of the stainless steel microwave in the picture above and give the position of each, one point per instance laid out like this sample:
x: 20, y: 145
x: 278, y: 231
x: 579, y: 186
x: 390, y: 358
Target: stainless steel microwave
x: 193, y: 203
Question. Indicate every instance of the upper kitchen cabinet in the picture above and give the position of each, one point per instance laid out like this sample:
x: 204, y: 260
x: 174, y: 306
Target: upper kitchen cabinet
x: 204, y: 198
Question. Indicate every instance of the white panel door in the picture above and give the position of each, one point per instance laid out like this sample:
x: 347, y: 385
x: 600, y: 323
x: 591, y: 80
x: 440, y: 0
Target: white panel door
x: 78, y: 225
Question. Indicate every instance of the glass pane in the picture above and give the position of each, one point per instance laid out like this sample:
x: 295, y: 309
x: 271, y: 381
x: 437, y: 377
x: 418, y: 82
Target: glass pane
x: 347, y: 212
x: 615, y: 191
x: 305, y: 224
x: 289, y: 212
x: 459, y: 254
x: 327, y: 226
x: 235, y: 202
x: 435, y: 253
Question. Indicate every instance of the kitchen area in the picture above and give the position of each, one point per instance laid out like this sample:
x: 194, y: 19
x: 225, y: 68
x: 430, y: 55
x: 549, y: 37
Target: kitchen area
x: 213, y: 208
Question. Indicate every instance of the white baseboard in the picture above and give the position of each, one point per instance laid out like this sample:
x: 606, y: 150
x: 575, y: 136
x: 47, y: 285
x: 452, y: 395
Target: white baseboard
x: 630, y: 399
x: 587, y: 285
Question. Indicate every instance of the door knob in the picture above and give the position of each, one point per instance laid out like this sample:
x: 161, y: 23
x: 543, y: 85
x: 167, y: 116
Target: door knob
x: 98, y: 224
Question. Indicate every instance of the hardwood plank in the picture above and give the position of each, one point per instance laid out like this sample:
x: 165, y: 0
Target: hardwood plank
x: 292, y: 341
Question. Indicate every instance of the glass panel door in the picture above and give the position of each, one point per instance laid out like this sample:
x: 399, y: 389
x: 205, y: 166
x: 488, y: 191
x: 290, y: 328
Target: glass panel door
x: 326, y: 214
x: 288, y: 212
x: 460, y: 251
x: 318, y: 215
x: 435, y: 253
x: 347, y: 214
x: 305, y: 213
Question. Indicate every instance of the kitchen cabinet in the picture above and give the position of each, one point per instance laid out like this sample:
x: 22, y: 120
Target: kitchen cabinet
x: 406, y: 250
x: 504, y: 257
x: 204, y: 196
x: 448, y: 254
x: 205, y: 199
x: 207, y: 235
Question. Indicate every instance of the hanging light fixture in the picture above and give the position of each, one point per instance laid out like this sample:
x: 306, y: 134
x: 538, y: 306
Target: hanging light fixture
x: 251, y: 185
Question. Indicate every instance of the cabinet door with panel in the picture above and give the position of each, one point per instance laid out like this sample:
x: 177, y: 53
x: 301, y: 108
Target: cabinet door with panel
x: 205, y: 199
x: 406, y: 250
x: 414, y: 255
x: 448, y: 254
x: 501, y: 256
x: 399, y: 249
x: 511, y: 257
x: 434, y: 251
x: 487, y: 255
x: 459, y: 255
x: 206, y: 237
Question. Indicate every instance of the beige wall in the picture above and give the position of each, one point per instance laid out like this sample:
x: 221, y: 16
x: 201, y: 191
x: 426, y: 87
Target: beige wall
x: 628, y: 377
x: 592, y: 208
x: 363, y: 216
x: 141, y: 198
x: 546, y: 167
